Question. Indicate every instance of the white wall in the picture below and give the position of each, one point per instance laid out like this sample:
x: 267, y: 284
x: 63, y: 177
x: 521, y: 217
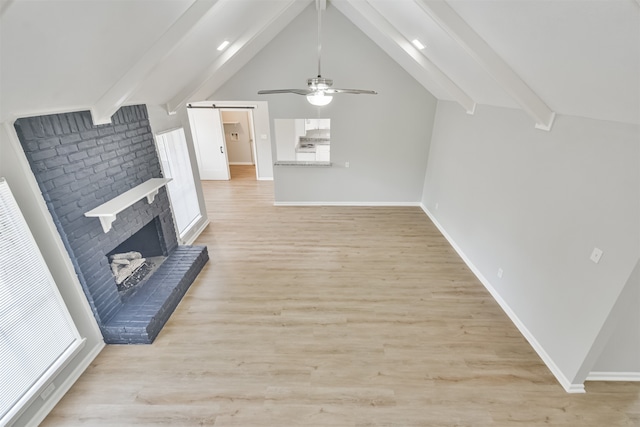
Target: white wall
x: 384, y: 137
x: 286, y: 138
x: 160, y: 121
x: 14, y: 167
x: 535, y: 204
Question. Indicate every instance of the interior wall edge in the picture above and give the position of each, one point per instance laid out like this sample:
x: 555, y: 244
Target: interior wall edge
x: 615, y: 352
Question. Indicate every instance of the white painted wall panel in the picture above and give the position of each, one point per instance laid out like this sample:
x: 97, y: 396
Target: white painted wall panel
x: 535, y: 204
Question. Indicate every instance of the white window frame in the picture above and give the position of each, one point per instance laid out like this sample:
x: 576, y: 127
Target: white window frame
x: 20, y: 387
x: 172, y: 186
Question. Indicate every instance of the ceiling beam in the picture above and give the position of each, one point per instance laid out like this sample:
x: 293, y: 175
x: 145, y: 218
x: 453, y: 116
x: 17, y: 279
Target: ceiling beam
x: 380, y: 24
x: 237, y: 55
x: 119, y: 93
x: 484, y: 54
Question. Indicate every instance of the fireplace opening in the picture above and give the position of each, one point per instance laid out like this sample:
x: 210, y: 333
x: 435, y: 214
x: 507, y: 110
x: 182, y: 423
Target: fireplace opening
x: 135, y: 259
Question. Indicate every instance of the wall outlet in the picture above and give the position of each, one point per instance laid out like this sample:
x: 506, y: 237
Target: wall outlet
x: 346, y: 164
x: 47, y: 391
x: 500, y: 273
x: 596, y: 255
x: 437, y: 205
x: 263, y: 136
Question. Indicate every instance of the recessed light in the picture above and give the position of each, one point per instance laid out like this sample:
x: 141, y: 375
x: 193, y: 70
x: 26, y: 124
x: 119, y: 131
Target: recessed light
x: 418, y: 44
x: 223, y: 45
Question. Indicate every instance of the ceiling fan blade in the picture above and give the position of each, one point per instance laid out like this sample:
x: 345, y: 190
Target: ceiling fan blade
x: 296, y: 91
x: 352, y: 91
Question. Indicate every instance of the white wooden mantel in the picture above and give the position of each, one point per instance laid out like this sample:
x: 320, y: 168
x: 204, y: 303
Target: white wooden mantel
x: 108, y: 211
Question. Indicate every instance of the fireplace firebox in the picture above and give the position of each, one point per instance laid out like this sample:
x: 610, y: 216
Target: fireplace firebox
x: 135, y: 259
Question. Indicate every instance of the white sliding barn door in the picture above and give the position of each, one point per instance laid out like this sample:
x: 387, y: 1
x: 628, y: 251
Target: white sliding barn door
x: 208, y: 138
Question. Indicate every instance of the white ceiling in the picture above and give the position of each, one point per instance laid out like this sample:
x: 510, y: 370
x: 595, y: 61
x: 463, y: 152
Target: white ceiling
x: 544, y: 56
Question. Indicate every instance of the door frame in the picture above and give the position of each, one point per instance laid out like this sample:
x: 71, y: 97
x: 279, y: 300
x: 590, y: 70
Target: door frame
x: 259, y: 128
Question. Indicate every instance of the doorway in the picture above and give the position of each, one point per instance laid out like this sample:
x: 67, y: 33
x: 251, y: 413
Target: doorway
x: 225, y: 135
x: 239, y: 137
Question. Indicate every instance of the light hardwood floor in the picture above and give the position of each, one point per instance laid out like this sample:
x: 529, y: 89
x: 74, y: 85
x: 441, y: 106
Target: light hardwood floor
x: 332, y: 316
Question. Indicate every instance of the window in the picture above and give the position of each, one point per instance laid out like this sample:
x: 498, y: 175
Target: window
x: 37, y: 334
x: 174, y: 156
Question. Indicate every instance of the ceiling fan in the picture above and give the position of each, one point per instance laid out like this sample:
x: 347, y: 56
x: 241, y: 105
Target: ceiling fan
x: 319, y: 90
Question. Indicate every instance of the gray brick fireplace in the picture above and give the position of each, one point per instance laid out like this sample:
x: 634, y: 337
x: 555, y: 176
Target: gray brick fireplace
x: 79, y: 166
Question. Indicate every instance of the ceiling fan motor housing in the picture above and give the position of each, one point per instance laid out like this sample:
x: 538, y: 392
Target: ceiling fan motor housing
x: 319, y: 83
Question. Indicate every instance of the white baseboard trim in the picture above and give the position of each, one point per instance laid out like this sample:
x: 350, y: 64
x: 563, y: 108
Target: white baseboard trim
x: 569, y: 388
x: 564, y: 381
x: 241, y: 164
x: 378, y: 204
x: 194, y: 235
x: 613, y: 376
x: 64, y: 387
x: 266, y: 178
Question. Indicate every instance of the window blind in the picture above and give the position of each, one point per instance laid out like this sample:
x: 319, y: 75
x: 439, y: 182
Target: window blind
x: 37, y: 334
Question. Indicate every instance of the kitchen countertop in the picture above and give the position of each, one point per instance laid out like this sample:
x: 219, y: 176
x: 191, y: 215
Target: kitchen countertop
x: 314, y: 140
x: 302, y: 163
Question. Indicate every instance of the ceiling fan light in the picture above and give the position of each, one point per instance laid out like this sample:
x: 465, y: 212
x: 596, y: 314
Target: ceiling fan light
x: 319, y: 99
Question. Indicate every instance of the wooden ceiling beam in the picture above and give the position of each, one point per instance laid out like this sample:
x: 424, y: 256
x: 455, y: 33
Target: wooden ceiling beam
x: 481, y: 52
x: 377, y: 22
x: 119, y: 93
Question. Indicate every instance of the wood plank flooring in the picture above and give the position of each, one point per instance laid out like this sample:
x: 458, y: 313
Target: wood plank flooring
x: 332, y: 316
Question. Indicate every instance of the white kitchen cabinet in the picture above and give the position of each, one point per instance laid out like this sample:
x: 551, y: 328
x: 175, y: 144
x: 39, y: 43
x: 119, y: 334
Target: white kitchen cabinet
x: 323, y: 153
x: 306, y: 157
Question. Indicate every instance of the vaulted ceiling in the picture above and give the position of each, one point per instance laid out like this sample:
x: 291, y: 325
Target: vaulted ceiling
x: 545, y: 57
